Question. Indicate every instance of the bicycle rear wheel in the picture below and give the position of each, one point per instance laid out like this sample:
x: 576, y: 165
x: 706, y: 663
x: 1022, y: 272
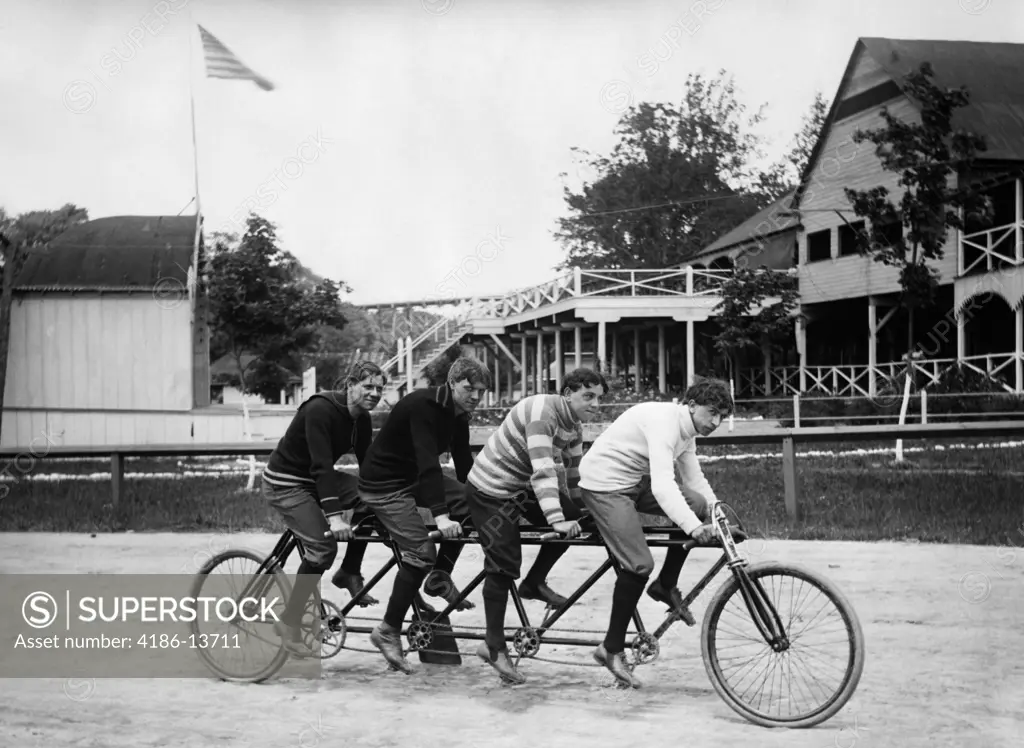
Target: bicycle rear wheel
x: 254, y: 651
x: 802, y: 684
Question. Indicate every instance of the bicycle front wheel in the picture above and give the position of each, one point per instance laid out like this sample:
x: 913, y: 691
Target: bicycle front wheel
x: 808, y: 681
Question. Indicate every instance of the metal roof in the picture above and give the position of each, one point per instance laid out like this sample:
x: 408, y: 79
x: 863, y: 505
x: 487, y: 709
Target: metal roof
x: 991, y: 71
x: 766, y: 222
x: 118, y: 253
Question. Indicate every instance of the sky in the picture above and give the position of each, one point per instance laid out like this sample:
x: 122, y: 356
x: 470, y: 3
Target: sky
x: 411, y: 148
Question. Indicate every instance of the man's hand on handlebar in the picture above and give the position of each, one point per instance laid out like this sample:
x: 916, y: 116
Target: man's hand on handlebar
x: 448, y: 528
x: 569, y: 528
x: 704, y: 534
x: 340, y: 529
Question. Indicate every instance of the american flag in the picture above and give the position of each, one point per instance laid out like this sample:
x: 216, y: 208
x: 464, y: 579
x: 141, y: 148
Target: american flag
x: 222, y: 63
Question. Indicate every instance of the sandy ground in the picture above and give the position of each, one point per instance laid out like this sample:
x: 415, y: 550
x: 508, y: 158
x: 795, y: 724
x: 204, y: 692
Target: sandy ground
x: 944, y: 665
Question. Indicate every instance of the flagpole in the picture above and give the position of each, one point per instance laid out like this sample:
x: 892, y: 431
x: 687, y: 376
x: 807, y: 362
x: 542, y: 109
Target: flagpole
x: 192, y: 103
x: 247, y: 434
x: 195, y: 167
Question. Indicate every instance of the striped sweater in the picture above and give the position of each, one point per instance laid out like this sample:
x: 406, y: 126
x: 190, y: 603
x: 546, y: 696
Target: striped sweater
x: 538, y: 446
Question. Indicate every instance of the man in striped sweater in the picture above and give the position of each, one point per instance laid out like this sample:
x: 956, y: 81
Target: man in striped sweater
x: 529, y: 466
x: 646, y: 462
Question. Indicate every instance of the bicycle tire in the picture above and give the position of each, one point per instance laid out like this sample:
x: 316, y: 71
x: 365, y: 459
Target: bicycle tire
x: 280, y: 579
x: 855, y: 662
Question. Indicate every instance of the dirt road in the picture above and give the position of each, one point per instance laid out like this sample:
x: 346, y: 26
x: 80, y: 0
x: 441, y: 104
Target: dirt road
x: 944, y: 628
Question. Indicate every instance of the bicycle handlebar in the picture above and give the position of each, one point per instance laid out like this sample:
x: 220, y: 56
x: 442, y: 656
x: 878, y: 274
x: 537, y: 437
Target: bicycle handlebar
x: 737, y: 535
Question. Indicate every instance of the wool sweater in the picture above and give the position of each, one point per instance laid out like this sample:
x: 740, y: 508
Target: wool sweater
x: 422, y: 426
x: 656, y: 439
x: 322, y: 431
x: 538, y: 445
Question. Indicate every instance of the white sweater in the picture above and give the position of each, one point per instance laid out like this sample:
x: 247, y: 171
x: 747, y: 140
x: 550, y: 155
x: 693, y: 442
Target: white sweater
x: 656, y: 439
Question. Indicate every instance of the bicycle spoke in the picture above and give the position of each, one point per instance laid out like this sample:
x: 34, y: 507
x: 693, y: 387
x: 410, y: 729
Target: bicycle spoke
x: 810, y: 655
x: 798, y: 682
x: 816, y: 681
x: 754, y: 680
x: 824, y: 606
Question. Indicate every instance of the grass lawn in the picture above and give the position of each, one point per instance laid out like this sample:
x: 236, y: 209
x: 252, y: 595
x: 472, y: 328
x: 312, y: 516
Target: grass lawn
x: 969, y: 493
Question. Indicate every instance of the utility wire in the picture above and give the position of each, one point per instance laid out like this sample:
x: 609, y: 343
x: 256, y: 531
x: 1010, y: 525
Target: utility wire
x: 709, y: 198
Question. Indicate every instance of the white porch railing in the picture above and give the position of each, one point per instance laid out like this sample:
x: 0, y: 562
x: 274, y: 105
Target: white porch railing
x: 998, y: 247
x: 854, y: 380
x: 673, y: 282
x: 577, y: 283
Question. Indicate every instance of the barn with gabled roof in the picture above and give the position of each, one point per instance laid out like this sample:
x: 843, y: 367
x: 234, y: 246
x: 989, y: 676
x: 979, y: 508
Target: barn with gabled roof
x: 109, y: 335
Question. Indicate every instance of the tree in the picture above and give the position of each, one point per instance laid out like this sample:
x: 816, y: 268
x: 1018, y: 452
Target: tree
x: 811, y: 126
x: 929, y: 156
x: 436, y: 372
x: 746, y: 322
x: 264, y: 304
x: 339, y: 349
x: 679, y: 178
x: 18, y: 237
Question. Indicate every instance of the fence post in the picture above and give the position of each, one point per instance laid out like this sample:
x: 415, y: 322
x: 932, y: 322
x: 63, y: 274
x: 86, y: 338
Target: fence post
x: 116, y: 477
x: 789, y: 478
x: 732, y: 395
x: 796, y: 411
x: 924, y: 406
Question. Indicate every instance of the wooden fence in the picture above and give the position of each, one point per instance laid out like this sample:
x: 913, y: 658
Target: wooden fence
x: 787, y: 438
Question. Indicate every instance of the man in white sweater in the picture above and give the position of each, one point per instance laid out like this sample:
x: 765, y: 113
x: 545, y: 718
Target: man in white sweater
x: 646, y: 462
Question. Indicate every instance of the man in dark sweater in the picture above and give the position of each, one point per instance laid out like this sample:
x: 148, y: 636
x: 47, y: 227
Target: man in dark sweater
x: 401, y: 472
x: 316, y: 501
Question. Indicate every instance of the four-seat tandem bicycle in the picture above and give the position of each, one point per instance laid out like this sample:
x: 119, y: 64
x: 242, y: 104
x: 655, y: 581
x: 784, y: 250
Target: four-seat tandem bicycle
x: 767, y: 623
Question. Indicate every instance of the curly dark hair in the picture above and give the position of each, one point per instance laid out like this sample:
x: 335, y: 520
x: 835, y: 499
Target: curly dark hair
x: 713, y: 393
x: 467, y: 367
x: 583, y: 377
x: 362, y: 370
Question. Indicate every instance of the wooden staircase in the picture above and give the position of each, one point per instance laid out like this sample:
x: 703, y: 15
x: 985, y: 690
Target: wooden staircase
x: 428, y: 346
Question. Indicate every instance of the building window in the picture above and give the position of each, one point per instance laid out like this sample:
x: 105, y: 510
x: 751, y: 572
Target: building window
x: 850, y: 237
x: 889, y: 233
x: 819, y: 246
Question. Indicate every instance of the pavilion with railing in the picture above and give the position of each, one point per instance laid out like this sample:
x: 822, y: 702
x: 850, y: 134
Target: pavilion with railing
x: 660, y: 323
x: 656, y: 327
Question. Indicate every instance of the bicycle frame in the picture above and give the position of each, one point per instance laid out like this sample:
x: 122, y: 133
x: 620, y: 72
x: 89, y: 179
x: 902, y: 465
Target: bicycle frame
x: 428, y: 625
x: 657, y: 537
x: 761, y: 611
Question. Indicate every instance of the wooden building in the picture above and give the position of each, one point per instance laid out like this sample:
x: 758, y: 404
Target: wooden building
x: 856, y: 332
x: 108, y: 341
x: 108, y: 330
x: 856, y: 335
